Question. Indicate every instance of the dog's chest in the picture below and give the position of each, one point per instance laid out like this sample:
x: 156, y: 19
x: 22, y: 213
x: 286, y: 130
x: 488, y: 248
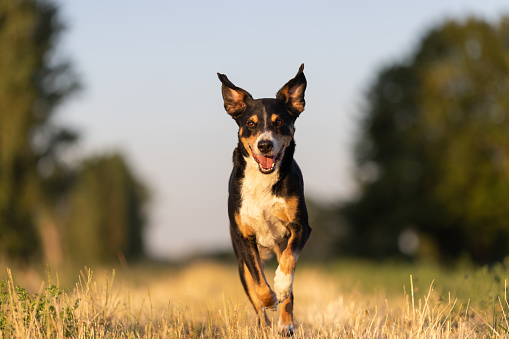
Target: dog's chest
x: 262, y: 211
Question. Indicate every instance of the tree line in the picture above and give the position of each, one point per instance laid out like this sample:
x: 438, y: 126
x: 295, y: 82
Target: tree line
x: 52, y: 210
x: 432, y: 155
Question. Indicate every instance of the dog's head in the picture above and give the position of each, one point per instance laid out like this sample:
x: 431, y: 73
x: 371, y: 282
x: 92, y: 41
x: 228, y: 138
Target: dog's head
x: 266, y: 126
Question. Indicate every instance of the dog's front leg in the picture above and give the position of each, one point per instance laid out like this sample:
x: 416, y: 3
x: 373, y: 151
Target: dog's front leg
x: 283, y: 281
x: 248, y: 250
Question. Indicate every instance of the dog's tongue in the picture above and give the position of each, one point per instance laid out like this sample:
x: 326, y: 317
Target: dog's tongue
x: 265, y: 162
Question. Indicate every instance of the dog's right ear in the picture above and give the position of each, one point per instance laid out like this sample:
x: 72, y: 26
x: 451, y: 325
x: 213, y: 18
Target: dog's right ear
x: 235, y: 98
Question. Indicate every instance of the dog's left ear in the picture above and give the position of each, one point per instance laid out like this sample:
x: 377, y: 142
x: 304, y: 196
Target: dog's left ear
x: 292, y: 93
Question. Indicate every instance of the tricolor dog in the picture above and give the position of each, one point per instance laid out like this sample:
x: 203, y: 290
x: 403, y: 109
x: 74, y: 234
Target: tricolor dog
x: 266, y: 203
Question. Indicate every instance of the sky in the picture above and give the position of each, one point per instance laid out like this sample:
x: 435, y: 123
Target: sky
x: 150, y: 91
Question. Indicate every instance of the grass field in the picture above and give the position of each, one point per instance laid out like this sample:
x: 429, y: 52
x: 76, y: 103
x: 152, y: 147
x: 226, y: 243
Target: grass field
x: 342, y: 299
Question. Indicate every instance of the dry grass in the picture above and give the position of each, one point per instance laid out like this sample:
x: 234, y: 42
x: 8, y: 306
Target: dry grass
x: 206, y: 300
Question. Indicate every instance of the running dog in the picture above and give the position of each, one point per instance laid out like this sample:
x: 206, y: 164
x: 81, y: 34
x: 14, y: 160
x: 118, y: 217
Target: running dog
x: 266, y: 204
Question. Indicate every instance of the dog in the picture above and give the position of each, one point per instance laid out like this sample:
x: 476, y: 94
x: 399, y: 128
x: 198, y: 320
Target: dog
x: 266, y: 204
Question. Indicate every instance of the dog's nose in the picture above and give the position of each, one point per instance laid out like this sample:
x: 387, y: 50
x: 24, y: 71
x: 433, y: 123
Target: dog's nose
x: 265, y: 146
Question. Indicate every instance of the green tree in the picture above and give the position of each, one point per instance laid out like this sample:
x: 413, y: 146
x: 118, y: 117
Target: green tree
x: 330, y: 232
x: 106, y: 212
x: 433, y: 155
x: 33, y: 82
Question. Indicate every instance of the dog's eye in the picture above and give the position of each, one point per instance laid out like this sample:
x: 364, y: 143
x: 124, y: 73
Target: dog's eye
x: 250, y: 123
x: 279, y: 122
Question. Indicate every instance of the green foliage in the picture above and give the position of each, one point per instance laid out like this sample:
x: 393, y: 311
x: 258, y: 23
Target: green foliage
x: 37, y: 187
x: 107, y: 212
x: 330, y: 232
x: 35, y: 310
x: 434, y: 154
x: 32, y: 83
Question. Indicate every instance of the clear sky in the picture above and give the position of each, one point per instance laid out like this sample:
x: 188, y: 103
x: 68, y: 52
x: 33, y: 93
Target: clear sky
x: 151, y: 90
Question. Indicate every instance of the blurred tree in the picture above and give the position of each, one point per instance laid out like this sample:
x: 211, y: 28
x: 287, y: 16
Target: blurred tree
x: 96, y: 210
x: 433, y: 156
x: 330, y: 232
x: 33, y: 82
x: 106, y: 212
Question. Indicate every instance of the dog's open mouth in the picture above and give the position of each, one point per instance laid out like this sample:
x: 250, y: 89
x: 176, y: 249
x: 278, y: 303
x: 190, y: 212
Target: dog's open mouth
x: 267, y: 164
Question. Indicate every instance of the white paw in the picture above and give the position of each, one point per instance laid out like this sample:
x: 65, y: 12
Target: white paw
x: 286, y: 330
x: 282, y: 285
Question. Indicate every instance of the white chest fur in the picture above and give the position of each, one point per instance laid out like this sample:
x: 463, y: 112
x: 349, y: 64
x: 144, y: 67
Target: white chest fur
x: 260, y: 207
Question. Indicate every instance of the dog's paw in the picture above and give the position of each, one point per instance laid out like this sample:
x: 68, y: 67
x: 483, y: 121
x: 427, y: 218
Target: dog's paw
x: 286, y: 330
x: 282, y: 285
x: 268, y: 300
x: 272, y: 307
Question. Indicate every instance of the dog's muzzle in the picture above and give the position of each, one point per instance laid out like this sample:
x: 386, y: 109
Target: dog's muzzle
x: 267, y: 163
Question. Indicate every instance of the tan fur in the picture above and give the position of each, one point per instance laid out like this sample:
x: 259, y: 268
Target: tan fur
x: 266, y: 296
x: 244, y: 229
x: 292, y: 96
x: 287, y: 262
x: 288, y: 259
x: 286, y: 318
x: 250, y: 284
x: 235, y: 102
x: 249, y: 143
x: 287, y: 214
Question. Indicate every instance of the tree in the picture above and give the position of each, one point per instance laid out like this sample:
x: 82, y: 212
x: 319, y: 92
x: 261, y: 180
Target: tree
x: 433, y: 155
x: 33, y: 82
x: 106, y: 212
x: 330, y: 232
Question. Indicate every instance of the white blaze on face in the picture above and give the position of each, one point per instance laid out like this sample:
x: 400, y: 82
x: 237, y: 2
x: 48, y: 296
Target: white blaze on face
x: 268, y: 136
x: 268, y: 161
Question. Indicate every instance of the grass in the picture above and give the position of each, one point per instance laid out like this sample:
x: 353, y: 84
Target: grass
x: 343, y: 299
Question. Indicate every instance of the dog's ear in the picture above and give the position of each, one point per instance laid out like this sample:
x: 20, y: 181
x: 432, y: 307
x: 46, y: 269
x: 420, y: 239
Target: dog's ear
x: 235, y: 98
x: 292, y: 93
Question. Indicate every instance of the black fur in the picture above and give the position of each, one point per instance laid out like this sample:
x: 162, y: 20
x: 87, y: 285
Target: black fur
x: 276, y: 118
